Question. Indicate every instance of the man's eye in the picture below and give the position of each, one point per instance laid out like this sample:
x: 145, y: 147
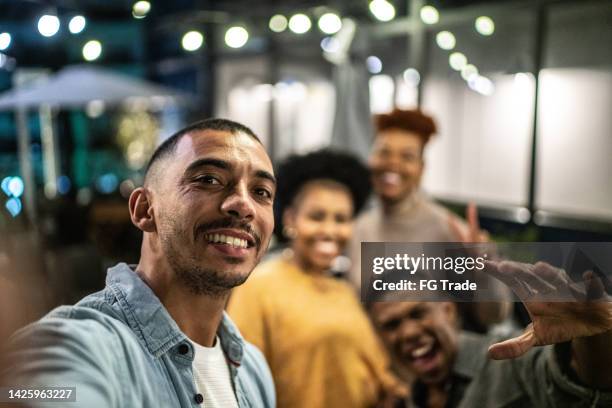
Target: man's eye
x: 417, y: 314
x: 410, y: 157
x: 391, y: 324
x: 263, y: 192
x: 208, y: 180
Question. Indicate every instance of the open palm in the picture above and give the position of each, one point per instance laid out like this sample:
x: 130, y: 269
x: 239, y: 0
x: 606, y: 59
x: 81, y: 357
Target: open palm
x: 540, y: 287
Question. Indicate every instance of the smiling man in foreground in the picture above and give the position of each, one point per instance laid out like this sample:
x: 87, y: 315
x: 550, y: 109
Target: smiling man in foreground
x: 157, y: 335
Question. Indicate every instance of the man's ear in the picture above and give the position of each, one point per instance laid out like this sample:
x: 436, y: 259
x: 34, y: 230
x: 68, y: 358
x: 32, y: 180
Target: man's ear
x: 450, y: 312
x: 141, y: 210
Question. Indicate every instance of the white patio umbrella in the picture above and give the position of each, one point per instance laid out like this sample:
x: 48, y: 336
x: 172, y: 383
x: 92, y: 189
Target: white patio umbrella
x: 76, y: 86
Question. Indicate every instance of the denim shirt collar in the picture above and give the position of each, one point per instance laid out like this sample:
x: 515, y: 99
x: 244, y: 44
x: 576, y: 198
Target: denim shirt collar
x: 149, y: 319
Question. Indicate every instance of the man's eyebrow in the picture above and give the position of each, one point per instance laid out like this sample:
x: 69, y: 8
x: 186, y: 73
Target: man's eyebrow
x: 222, y: 164
x: 266, y: 175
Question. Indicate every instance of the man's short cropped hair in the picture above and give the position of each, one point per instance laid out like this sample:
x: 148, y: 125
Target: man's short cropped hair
x: 410, y: 120
x: 168, y: 147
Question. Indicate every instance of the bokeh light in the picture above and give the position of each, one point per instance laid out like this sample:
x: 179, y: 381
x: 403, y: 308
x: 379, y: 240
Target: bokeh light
x: 48, y: 25
x: 5, y: 41
x: 92, y: 50
x: 278, y: 23
x: 236, y: 37
x: 330, y: 23
x: 382, y: 10
x: 485, y: 25
x: 446, y: 40
x: 299, y: 23
x: 192, y: 40
x: 374, y: 64
x: 77, y: 24
x: 429, y: 15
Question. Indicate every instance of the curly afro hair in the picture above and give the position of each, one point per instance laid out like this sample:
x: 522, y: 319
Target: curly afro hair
x: 410, y: 120
x: 297, y: 170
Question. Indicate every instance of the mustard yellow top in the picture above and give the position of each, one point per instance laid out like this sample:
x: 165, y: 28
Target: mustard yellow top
x: 315, y: 335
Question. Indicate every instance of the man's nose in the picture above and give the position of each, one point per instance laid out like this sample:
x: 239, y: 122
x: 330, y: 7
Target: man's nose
x: 239, y: 204
x: 395, y: 161
x: 410, y: 330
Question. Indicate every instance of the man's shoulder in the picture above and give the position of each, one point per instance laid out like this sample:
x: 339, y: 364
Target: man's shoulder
x: 101, y: 307
x: 80, y: 322
x: 92, y: 320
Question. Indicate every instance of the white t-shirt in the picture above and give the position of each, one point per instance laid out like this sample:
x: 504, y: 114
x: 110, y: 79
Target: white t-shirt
x: 212, y: 376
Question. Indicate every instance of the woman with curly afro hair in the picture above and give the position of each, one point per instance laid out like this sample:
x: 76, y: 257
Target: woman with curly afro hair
x: 317, y: 339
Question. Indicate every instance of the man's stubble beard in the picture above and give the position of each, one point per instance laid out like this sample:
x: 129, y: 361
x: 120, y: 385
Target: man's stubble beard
x: 197, y: 278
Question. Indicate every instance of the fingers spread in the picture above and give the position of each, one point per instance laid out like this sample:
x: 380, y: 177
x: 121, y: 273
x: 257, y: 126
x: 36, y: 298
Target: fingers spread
x: 526, y: 274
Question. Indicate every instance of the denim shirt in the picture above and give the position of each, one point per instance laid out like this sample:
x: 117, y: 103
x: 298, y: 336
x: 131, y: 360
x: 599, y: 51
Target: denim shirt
x: 120, y: 348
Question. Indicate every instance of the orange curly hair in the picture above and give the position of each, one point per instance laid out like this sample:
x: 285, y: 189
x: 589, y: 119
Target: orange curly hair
x: 410, y: 120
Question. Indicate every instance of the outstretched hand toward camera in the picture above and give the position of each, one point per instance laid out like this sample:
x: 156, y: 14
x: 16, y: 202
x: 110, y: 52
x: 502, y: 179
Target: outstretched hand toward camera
x: 552, y: 321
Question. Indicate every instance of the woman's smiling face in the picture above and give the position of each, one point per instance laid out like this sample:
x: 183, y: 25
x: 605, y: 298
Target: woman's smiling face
x: 321, y: 216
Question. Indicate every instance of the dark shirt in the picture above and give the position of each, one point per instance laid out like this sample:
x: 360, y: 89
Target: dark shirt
x: 541, y: 378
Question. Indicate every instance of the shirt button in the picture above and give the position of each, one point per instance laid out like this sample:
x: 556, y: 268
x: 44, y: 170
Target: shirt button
x: 183, y: 349
x: 199, y: 398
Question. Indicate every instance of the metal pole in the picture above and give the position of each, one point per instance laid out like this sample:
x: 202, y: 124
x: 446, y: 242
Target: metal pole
x: 273, y: 77
x: 541, y: 27
x: 50, y: 152
x: 25, y: 163
x: 418, y: 45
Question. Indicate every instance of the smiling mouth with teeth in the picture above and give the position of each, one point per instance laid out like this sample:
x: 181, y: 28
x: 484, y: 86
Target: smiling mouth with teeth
x: 422, y: 350
x: 227, y: 240
x: 390, y: 178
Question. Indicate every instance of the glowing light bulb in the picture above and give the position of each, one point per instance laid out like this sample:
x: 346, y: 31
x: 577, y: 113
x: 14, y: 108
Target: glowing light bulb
x: 48, y: 25
x: 429, y: 15
x: 278, y: 23
x: 92, y: 50
x: 192, y: 40
x: 485, y: 25
x: 457, y: 61
x: 330, y: 23
x: 77, y: 24
x: 446, y: 40
x: 236, y: 37
x: 299, y: 23
x: 382, y: 10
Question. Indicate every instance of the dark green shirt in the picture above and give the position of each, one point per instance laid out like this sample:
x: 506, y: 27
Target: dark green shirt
x: 541, y: 378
